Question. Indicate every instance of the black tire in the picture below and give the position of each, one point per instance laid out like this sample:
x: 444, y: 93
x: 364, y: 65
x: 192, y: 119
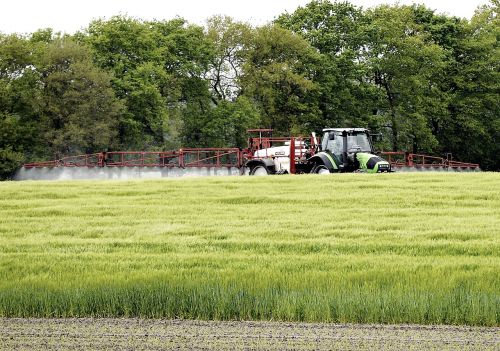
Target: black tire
x: 259, y: 170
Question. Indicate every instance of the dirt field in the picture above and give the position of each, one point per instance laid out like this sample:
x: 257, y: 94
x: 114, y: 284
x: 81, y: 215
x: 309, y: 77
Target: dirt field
x: 141, y: 334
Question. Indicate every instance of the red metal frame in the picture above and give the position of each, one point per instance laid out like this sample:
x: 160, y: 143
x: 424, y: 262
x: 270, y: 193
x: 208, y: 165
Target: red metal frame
x: 184, y: 158
x: 406, y: 159
x: 88, y: 160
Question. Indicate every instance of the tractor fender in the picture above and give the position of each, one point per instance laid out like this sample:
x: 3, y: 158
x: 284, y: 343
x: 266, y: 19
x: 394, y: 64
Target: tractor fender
x: 266, y: 162
x: 326, y: 159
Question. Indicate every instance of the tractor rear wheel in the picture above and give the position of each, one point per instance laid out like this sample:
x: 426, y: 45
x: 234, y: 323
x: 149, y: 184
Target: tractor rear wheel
x: 320, y: 169
x: 259, y: 171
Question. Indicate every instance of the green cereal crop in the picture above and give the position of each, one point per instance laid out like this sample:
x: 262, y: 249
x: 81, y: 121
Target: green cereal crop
x: 388, y: 248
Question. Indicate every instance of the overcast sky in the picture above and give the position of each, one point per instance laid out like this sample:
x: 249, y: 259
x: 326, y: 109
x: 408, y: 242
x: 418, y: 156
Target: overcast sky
x: 25, y: 16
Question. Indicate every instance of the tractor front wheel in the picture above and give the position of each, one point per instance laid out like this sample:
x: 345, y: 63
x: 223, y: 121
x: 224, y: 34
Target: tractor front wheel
x: 320, y: 169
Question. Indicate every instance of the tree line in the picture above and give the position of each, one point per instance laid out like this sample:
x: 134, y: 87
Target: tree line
x: 429, y: 82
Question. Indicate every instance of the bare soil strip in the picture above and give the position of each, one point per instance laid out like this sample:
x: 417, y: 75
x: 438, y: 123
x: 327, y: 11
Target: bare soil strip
x: 145, y: 334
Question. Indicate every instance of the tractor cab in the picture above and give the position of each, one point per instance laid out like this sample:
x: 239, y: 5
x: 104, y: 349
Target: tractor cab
x: 351, y: 150
x: 340, y: 140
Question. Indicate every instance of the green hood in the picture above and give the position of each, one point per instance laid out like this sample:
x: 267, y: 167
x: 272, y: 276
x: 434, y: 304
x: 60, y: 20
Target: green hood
x: 372, y: 163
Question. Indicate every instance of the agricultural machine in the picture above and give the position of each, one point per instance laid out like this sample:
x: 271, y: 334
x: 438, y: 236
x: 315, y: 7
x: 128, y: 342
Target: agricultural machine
x: 339, y: 150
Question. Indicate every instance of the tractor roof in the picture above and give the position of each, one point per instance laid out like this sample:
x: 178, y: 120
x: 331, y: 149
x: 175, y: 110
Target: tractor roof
x: 348, y: 130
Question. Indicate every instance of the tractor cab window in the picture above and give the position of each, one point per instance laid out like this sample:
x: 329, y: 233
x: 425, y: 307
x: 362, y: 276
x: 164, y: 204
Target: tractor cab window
x: 333, y: 143
x: 324, y: 141
x: 358, y: 142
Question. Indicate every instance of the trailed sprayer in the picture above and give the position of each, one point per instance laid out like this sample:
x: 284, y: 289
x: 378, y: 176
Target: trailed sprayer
x: 338, y: 150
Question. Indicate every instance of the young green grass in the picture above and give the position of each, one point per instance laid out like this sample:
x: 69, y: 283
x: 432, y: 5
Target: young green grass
x: 389, y: 248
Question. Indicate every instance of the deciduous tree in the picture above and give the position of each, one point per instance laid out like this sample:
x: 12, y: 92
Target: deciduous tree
x: 80, y: 112
x: 278, y: 75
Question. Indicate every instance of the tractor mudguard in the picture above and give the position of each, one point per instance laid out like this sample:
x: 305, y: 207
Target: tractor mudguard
x: 325, y: 158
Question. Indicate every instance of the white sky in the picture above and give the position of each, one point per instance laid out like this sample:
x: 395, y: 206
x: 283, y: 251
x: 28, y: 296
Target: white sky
x: 25, y: 16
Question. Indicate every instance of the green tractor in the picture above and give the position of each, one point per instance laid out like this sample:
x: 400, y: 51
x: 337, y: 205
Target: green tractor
x: 347, y: 150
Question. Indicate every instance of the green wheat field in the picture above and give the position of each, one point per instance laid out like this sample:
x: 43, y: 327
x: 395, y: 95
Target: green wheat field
x: 388, y: 248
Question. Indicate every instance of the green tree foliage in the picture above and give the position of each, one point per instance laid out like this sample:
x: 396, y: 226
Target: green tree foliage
x: 474, y: 130
x: 54, y: 100
x: 231, y: 41
x: 155, y: 64
x: 404, y: 67
x: 80, y: 112
x: 217, y: 114
x: 228, y: 122
x: 277, y: 75
x: 20, y: 102
x: 9, y: 162
x: 338, y: 31
x: 448, y: 33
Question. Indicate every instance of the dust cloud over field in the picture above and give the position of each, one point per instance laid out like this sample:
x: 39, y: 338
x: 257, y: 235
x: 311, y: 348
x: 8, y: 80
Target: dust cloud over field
x: 144, y: 334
